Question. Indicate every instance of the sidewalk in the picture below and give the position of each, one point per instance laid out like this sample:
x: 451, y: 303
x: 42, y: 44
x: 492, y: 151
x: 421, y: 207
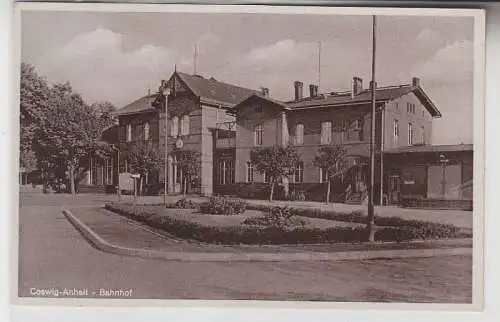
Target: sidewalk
x: 113, y: 233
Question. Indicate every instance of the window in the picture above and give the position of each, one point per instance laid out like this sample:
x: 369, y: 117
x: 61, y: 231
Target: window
x: 146, y: 131
x: 423, y: 112
x: 299, y: 172
x: 226, y: 171
x: 129, y: 132
x: 250, y: 172
x: 396, y: 105
x: 422, y: 135
x: 410, y: 134
x: 185, y: 125
x: 266, y: 177
x: 326, y: 132
x: 299, y: 134
x: 323, y: 175
x: 410, y: 108
x: 258, y: 133
x: 258, y: 108
x: 395, y: 132
x: 174, y: 130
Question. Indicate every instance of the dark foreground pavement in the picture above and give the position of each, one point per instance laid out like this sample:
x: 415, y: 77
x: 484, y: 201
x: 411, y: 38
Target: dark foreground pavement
x: 53, y: 255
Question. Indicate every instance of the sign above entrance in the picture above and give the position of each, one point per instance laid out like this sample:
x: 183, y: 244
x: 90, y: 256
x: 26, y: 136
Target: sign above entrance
x: 179, y: 143
x: 409, y: 182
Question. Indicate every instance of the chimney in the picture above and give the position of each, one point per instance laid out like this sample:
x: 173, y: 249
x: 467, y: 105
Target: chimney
x: 313, y: 90
x: 415, y: 81
x: 265, y: 91
x: 357, y: 86
x: 298, y: 89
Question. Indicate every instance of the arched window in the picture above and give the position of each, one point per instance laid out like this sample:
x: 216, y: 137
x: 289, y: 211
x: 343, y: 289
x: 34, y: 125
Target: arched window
x: 146, y: 131
x: 175, y: 126
x: 185, y: 125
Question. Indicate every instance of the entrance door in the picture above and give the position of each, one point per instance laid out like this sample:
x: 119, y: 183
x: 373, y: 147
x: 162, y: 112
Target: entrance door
x: 394, y: 189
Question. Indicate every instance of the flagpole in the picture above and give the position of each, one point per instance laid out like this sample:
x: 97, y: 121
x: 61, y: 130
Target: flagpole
x: 371, y: 215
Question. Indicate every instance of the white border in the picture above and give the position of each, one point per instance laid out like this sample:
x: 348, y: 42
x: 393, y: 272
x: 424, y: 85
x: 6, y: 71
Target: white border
x: 478, y: 157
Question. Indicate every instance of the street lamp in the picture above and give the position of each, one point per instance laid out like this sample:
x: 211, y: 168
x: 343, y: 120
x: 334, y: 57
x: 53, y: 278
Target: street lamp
x: 444, y: 162
x: 165, y: 91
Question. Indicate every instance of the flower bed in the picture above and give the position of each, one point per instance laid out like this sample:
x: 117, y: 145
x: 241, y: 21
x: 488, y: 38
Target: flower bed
x: 255, y: 234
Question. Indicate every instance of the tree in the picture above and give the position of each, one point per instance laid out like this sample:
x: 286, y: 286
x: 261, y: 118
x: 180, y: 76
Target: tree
x: 69, y: 135
x: 274, y: 162
x: 105, y: 114
x: 189, y: 162
x: 34, y: 102
x: 143, y: 157
x: 332, y: 160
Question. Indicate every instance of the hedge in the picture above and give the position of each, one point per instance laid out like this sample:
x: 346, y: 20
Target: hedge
x: 275, y: 235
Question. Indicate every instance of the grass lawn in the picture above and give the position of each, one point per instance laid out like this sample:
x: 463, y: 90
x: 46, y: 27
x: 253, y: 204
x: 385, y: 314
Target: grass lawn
x: 237, y: 220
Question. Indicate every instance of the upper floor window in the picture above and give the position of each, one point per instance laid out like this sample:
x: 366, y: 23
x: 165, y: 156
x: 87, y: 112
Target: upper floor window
x: 298, y: 175
x: 326, y: 132
x: 185, y: 125
x: 422, y: 135
x: 395, y: 132
x: 410, y: 108
x: 258, y: 108
x: 410, y: 134
x: 146, y: 131
x: 396, y: 105
x: 129, y: 132
x: 258, y: 132
x: 423, y: 111
x: 250, y: 172
x: 299, y: 134
x: 174, y: 130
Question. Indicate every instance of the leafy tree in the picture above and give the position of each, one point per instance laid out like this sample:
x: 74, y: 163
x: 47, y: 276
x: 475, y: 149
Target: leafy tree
x: 142, y: 157
x: 69, y: 135
x: 34, y: 102
x: 274, y: 162
x: 332, y: 160
x: 189, y: 163
x: 105, y: 114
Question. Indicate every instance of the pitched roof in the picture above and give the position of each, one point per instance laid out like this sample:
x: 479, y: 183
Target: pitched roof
x: 211, y: 90
x: 258, y: 96
x: 432, y: 149
x: 143, y: 104
x: 382, y: 94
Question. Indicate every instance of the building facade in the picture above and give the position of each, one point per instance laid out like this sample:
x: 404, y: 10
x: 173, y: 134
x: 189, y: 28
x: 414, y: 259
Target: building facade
x: 222, y: 123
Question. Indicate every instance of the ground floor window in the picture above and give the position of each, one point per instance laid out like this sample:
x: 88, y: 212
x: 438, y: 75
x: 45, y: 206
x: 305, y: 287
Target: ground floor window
x: 299, y: 172
x: 108, y: 171
x: 323, y: 175
x: 226, y: 172
x: 250, y: 172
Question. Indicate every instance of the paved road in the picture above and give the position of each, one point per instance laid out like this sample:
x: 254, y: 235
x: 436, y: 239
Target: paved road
x: 54, y: 255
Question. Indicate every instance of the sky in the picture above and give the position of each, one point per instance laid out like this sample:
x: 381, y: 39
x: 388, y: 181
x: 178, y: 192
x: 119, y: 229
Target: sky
x: 118, y: 57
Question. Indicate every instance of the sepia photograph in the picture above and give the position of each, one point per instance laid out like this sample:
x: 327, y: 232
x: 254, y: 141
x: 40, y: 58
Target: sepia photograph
x: 251, y: 153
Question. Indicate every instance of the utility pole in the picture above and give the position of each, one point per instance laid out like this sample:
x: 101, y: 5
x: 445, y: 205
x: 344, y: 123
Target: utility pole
x: 195, y: 58
x: 371, y: 216
x: 165, y: 91
x: 319, y: 65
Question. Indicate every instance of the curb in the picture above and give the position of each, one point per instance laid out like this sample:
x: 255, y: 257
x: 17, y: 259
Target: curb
x: 101, y: 244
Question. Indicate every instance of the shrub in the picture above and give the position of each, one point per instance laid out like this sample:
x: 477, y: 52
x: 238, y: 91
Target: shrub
x: 279, y: 217
x: 185, y: 204
x: 223, y: 206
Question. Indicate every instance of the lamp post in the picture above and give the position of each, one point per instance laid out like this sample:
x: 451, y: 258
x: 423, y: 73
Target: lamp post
x: 444, y: 162
x: 165, y: 91
x: 371, y: 215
